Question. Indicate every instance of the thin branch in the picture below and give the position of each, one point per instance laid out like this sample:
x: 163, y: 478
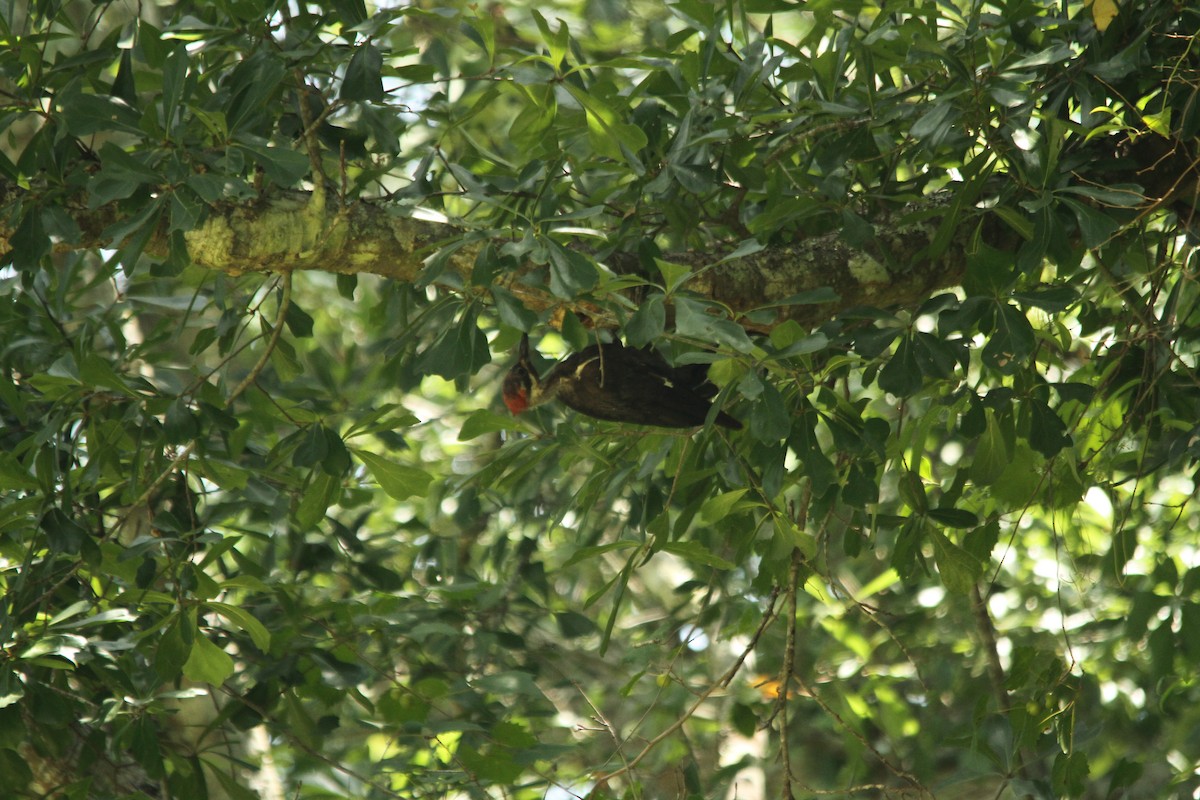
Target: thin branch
x: 721, y: 683
x: 987, y: 637
x: 991, y: 652
x: 237, y: 392
x: 183, y: 454
x: 789, y: 666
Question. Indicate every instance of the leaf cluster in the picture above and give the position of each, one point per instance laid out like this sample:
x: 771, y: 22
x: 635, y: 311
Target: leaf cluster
x: 277, y: 525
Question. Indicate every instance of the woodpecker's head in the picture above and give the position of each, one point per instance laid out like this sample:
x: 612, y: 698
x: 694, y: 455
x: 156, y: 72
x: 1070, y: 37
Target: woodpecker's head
x: 521, y: 385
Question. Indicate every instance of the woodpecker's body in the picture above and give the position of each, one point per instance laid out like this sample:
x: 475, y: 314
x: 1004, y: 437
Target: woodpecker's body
x: 617, y: 383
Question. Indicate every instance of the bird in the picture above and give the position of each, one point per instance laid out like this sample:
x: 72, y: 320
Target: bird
x: 617, y: 383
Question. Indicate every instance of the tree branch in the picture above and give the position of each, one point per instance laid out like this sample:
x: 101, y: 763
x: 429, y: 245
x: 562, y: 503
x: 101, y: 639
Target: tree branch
x: 281, y: 233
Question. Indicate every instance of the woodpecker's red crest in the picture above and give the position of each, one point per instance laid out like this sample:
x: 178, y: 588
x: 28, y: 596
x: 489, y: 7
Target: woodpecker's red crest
x: 622, y: 384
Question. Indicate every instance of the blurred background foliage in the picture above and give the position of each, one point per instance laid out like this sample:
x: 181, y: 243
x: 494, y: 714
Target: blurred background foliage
x: 271, y: 536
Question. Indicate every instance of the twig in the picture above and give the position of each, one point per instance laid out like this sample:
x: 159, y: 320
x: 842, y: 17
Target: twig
x: 180, y: 457
x: 789, y: 665
x: 987, y: 636
x: 252, y: 376
x: 721, y: 683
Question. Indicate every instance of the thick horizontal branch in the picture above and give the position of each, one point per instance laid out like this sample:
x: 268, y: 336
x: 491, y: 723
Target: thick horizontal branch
x: 281, y: 233
x: 899, y: 266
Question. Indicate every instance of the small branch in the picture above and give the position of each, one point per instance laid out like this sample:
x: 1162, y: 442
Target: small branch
x: 316, y: 202
x: 895, y: 769
x: 785, y: 672
x: 987, y: 637
x: 237, y: 392
x: 721, y: 683
x: 183, y: 454
x: 991, y: 652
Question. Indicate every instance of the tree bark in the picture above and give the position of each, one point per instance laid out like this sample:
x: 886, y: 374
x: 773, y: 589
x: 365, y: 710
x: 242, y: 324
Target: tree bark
x: 900, y: 265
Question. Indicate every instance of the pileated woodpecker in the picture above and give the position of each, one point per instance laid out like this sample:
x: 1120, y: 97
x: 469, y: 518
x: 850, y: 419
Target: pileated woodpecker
x: 617, y: 383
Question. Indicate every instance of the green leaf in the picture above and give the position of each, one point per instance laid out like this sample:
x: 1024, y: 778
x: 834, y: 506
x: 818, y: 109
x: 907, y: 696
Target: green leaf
x: 557, y: 43
x: 313, y: 448
x: 254, y: 85
x: 959, y: 569
x: 571, y: 272
x: 176, y: 85
x: 1095, y: 226
x: 63, y: 533
x: 298, y: 321
x: 572, y: 624
x: 912, y: 491
x: 88, y: 114
x: 364, y: 79
x: 953, y: 517
x: 696, y: 553
x: 673, y: 275
x: 493, y: 766
x: 1011, y: 340
x: 856, y: 231
x: 15, y: 768
x: 584, y: 553
x: 351, y: 13
x: 901, y: 375
x: 1189, y: 630
x: 1069, y: 776
x: 513, y: 683
x: 483, y: 422
x: 145, y: 746
x: 1033, y: 252
x: 935, y: 124
x: 180, y: 424
x: 282, y: 166
x: 607, y: 133
x: 29, y: 241
x: 982, y: 540
x: 716, y: 508
x: 108, y: 186
x: 400, y: 481
x: 1021, y: 478
x: 208, y: 663
x: 512, y: 311
x: 120, y: 164
x: 320, y: 493
x: 246, y: 621
x: 1159, y: 122
x: 1050, y: 298
x: 1047, y: 432
x: 647, y: 323
x: 992, y: 456
x: 1120, y: 550
x: 771, y: 420
x: 174, y: 648
x: 461, y: 350
x: 692, y: 319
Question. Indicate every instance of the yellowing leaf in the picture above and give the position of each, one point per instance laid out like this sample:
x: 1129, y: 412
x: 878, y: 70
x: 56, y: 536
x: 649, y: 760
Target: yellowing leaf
x: 1160, y: 123
x: 1103, y: 13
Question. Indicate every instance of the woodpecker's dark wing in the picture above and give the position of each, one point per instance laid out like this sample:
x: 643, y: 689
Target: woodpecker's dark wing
x: 624, y: 384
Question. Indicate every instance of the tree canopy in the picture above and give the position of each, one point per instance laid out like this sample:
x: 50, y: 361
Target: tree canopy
x: 267, y: 532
